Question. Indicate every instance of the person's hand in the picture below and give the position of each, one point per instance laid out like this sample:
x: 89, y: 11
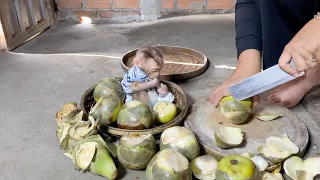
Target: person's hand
x: 304, y: 49
x: 249, y: 64
x: 155, y: 82
x: 162, y: 89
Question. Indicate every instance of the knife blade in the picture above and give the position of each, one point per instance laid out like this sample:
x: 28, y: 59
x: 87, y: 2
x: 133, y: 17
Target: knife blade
x: 261, y: 82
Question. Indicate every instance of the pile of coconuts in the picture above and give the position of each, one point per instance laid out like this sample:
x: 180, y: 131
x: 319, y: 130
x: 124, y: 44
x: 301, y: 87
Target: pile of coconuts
x: 110, y: 108
x: 178, y: 157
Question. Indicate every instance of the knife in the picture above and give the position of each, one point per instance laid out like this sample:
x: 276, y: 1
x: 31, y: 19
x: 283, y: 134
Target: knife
x: 261, y: 82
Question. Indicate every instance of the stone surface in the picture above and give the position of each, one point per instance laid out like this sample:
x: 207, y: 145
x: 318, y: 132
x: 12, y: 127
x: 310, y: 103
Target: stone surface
x: 63, y: 62
x: 150, y: 9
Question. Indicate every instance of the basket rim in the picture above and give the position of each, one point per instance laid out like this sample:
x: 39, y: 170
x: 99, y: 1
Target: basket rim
x: 185, y: 75
x: 154, y: 130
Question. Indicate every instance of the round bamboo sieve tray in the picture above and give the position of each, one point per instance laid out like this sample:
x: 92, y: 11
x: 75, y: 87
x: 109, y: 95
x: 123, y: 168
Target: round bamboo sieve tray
x: 87, y: 101
x: 179, y: 62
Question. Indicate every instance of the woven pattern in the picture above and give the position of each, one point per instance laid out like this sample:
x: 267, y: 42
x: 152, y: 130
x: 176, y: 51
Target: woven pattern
x: 179, y: 62
x: 87, y: 101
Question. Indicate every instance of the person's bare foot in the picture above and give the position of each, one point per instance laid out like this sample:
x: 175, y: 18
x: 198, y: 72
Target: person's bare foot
x: 291, y: 93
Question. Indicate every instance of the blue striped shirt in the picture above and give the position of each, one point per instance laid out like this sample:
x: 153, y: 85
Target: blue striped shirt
x: 135, y: 74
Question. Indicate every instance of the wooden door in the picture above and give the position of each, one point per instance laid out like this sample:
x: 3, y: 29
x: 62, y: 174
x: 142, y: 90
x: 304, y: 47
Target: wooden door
x: 23, y: 19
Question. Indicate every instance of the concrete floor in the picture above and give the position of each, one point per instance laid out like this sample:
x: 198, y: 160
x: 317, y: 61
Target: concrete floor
x: 62, y: 63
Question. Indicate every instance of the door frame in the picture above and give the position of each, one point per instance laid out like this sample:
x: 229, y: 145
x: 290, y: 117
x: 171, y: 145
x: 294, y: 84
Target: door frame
x: 27, y: 35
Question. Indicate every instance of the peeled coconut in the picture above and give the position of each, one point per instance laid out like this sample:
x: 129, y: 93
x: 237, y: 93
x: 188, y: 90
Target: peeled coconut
x: 169, y: 164
x: 108, y: 87
x: 204, y: 167
x: 238, y: 167
x: 234, y: 111
x: 297, y: 169
x: 228, y: 137
x: 135, y: 115
x: 106, y: 110
x: 164, y: 111
x: 135, y: 151
x: 181, y: 139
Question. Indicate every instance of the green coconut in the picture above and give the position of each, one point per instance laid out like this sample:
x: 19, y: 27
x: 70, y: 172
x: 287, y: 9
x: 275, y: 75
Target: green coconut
x: 234, y: 111
x: 169, y: 164
x: 107, y: 110
x: 135, y: 151
x: 204, y: 167
x: 164, y: 111
x: 181, y: 139
x: 108, y: 87
x: 237, y: 167
x: 135, y: 115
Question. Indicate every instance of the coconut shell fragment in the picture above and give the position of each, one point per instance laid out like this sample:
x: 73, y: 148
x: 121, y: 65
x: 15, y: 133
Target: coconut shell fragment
x: 228, y: 137
x: 268, y: 117
x: 67, y: 111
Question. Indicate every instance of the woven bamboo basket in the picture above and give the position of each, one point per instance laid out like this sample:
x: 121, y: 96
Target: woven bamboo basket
x: 179, y: 62
x: 87, y: 101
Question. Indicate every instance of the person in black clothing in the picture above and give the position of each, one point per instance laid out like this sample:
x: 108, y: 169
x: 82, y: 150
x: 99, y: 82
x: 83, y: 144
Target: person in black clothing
x: 274, y: 31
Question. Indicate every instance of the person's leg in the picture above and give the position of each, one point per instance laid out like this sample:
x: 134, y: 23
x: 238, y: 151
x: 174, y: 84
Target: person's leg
x: 281, y: 21
x: 291, y: 93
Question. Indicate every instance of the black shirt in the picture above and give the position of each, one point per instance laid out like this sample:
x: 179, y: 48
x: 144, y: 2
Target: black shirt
x: 268, y: 25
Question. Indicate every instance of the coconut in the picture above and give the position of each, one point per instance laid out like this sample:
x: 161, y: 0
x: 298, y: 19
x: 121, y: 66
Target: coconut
x: 168, y: 164
x: 180, y: 139
x: 135, y: 151
x: 234, y: 111
x: 204, y: 167
x: 106, y: 110
x: 135, y: 115
x: 237, y: 167
x: 164, y: 111
x: 228, y: 137
x: 108, y: 87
